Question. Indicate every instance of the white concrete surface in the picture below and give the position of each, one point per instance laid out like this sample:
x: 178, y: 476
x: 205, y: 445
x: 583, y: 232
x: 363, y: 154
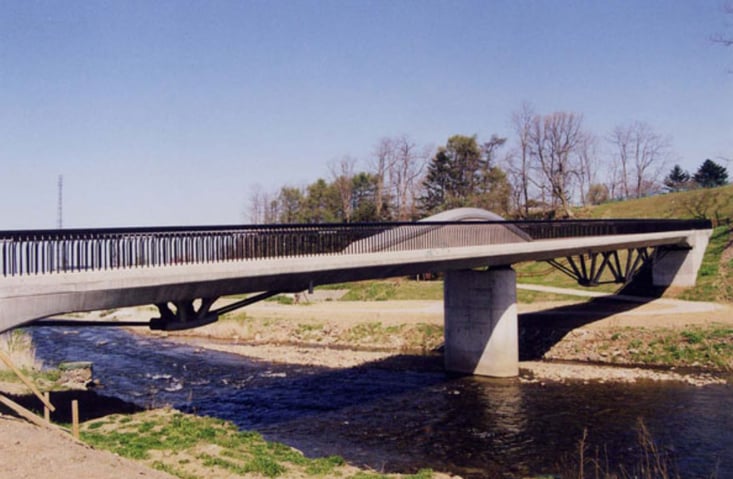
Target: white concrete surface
x: 481, y: 333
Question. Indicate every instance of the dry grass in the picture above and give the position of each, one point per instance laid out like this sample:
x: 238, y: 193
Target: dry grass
x: 652, y: 462
x: 19, y: 347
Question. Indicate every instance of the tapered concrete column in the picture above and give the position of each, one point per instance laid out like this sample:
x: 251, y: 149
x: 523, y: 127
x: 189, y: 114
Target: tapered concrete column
x: 481, y: 335
x: 677, y: 266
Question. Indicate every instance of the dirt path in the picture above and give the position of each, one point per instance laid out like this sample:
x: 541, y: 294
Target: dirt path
x: 31, y: 452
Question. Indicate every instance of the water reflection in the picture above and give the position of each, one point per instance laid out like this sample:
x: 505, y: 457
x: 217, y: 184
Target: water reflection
x: 400, y: 418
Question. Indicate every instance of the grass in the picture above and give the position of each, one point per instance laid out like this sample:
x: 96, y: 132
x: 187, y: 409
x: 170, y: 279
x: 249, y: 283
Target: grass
x: 17, y: 344
x: 715, y: 278
x: 709, y: 347
x: 281, y: 299
x: 402, y: 289
x: 397, y: 289
x: 41, y: 378
x: 544, y: 274
x: 410, y: 337
x: 192, y: 447
x: 711, y: 203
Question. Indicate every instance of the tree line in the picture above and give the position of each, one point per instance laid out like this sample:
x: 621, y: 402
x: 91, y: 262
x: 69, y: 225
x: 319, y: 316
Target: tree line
x: 552, y: 164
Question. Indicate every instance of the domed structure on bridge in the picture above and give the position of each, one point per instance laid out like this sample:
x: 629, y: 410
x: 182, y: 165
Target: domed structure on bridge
x: 465, y: 214
x: 444, y: 230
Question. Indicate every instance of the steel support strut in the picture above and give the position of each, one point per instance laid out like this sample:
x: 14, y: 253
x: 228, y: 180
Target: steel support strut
x: 185, y: 316
x: 588, y: 271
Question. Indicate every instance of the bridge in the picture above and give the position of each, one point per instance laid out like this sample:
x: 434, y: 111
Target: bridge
x: 183, y: 271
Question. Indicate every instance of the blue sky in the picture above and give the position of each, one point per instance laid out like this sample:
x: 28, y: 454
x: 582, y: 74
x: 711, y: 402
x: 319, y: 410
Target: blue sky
x: 168, y: 112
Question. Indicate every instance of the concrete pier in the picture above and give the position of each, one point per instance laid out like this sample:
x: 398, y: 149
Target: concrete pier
x: 481, y: 333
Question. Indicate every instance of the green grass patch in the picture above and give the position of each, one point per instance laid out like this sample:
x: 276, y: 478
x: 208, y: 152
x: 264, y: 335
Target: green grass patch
x: 44, y: 379
x: 182, y: 444
x: 710, y: 347
x: 370, y: 332
x: 405, y: 290
x: 397, y: 289
x: 172, y: 470
x: 711, y: 203
x: 281, y: 299
x: 714, y: 283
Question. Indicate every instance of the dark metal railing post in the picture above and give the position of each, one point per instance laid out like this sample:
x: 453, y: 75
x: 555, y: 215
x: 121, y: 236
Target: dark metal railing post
x: 46, y: 252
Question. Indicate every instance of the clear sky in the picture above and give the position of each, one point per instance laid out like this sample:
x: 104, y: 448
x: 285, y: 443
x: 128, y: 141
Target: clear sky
x: 168, y: 112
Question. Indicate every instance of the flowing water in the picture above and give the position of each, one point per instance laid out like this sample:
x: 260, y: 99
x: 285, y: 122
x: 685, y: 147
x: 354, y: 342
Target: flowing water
x: 401, y: 417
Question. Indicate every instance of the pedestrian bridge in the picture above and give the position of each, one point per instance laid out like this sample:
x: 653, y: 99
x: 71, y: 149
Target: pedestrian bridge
x: 184, y: 270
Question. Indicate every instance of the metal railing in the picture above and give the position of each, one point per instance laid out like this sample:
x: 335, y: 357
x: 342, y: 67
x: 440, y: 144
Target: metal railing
x: 60, y: 251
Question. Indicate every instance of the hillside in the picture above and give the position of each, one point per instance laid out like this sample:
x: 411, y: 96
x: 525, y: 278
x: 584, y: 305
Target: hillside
x: 711, y: 203
x: 715, y: 279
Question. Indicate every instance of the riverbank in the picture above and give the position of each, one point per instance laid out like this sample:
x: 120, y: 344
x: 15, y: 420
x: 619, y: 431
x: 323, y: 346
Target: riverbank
x: 346, y: 334
x: 120, y: 441
x: 606, y: 339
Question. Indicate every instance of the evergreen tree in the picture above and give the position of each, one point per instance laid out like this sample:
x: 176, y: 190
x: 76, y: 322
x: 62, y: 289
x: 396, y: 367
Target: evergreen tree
x: 364, y: 199
x: 290, y: 205
x: 321, y: 203
x: 461, y: 174
x: 711, y: 174
x: 437, y: 183
x: 677, y: 180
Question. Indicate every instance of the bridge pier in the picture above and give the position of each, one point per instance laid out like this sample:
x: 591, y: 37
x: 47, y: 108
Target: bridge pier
x: 677, y: 266
x: 481, y: 329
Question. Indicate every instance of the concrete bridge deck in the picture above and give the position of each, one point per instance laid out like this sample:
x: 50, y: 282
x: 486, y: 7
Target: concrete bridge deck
x: 142, y: 269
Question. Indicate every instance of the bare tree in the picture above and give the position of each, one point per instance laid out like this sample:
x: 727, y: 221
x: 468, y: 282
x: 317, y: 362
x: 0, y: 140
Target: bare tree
x: 587, y: 164
x: 262, y: 206
x: 404, y: 173
x: 342, y: 173
x: 640, y: 154
x: 614, y: 181
x: 384, y: 158
x: 621, y: 139
x: 519, y: 162
x: 554, y: 143
x: 398, y: 164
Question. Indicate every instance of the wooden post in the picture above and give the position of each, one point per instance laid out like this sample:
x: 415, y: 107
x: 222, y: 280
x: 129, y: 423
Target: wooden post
x: 75, y: 418
x: 22, y: 412
x: 46, y: 410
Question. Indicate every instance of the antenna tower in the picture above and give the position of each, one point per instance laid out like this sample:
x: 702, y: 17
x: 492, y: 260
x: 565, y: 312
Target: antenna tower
x: 60, y: 205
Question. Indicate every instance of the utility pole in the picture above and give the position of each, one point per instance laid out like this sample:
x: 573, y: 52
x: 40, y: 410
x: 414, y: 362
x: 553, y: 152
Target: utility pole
x: 60, y: 205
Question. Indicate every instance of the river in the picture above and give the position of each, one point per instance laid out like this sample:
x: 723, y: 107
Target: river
x: 398, y: 418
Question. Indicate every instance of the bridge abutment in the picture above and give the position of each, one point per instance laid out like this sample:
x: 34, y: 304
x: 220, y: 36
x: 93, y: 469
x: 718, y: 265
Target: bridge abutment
x: 675, y: 266
x: 481, y: 330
